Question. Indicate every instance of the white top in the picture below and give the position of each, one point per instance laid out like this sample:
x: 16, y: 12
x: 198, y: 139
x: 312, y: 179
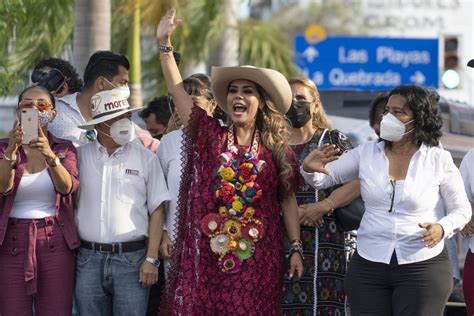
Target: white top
x: 169, y: 154
x: 117, y: 193
x: 35, y: 196
x: 432, y: 178
x: 65, y: 124
x: 467, y: 172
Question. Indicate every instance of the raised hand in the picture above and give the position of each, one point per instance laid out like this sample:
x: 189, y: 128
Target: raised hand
x: 42, y: 144
x: 167, y: 26
x: 15, y: 138
x: 318, y: 158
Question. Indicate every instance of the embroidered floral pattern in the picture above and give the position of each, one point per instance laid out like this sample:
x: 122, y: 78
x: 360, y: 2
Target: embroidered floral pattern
x: 195, y: 285
x: 299, y: 298
x: 236, y: 196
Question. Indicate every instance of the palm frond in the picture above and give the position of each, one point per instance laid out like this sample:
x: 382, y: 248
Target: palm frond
x: 262, y: 44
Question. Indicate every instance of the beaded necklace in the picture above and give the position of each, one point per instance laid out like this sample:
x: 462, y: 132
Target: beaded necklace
x: 234, y: 229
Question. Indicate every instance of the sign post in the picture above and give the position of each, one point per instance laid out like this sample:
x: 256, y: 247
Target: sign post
x: 368, y: 63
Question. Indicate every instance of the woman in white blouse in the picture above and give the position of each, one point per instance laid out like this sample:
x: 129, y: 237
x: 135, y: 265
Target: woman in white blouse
x: 401, y: 266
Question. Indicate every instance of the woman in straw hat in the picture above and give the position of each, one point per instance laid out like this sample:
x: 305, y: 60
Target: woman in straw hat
x: 236, y: 191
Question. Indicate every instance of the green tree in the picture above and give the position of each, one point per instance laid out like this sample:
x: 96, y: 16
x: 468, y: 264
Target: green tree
x: 35, y: 29
x: 91, y: 30
x: 31, y: 30
x: 259, y: 43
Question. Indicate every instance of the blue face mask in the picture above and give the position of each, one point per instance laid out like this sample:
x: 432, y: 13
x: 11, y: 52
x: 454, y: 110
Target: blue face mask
x: 125, y: 90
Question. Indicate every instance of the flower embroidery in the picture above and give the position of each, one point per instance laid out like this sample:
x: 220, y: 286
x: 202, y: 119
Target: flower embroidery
x: 233, y: 229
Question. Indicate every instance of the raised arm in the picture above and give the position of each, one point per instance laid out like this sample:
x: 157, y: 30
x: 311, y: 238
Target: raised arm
x: 8, y: 158
x: 322, y: 168
x: 62, y: 179
x: 174, y: 81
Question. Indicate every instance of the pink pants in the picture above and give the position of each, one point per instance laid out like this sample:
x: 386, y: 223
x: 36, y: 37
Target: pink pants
x: 468, y: 282
x: 36, y: 267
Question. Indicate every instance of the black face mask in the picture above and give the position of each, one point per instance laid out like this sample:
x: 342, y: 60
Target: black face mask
x: 299, y: 113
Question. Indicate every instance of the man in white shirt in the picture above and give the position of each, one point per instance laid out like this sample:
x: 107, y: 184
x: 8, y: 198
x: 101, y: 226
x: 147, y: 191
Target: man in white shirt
x: 119, y: 213
x: 105, y: 70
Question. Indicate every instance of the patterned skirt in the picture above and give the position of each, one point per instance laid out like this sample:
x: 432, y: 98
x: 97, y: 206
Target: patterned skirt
x: 324, y: 276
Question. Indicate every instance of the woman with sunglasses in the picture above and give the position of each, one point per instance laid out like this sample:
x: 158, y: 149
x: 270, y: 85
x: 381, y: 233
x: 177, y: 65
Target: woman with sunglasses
x: 401, y: 266
x: 37, y: 231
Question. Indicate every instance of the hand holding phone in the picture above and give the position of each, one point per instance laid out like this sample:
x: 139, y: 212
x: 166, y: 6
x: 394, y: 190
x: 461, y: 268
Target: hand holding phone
x: 29, y: 124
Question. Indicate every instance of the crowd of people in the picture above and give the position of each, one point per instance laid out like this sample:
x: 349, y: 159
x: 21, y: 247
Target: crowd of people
x: 234, y: 190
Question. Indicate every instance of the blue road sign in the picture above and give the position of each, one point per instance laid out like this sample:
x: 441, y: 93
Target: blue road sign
x: 368, y: 63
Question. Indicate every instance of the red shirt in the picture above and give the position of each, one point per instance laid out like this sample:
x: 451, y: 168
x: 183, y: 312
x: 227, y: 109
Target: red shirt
x: 66, y: 152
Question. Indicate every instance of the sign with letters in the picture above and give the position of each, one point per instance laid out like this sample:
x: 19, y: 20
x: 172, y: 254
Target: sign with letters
x: 368, y: 63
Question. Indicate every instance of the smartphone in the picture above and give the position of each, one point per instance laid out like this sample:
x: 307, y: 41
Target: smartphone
x: 29, y: 123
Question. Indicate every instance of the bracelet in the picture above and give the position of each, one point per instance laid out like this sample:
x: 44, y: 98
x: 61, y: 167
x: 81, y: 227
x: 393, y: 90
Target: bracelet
x: 331, y: 205
x: 153, y: 261
x: 296, y: 246
x: 8, y: 159
x: 12, y: 161
x: 165, y: 49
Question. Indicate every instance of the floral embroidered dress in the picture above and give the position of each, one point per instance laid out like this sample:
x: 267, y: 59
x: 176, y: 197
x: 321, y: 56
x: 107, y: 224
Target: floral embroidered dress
x: 325, y: 277
x: 196, y: 283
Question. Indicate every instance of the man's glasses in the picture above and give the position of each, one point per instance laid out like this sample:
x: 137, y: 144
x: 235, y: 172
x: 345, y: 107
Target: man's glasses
x: 41, y: 105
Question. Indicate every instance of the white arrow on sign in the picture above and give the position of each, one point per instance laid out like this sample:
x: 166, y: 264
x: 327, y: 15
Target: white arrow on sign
x: 418, y: 78
x: 310, y: 53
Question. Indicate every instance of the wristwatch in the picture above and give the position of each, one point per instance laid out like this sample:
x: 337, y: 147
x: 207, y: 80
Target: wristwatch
x: 153, y: 261
x: 53, y: 162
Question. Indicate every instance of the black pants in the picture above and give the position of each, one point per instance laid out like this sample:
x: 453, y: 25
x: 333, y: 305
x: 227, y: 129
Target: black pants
x: 415, y: 289
x: 156, y: 291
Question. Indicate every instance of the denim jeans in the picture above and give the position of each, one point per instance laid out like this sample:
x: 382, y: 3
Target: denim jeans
x: 107, y: 284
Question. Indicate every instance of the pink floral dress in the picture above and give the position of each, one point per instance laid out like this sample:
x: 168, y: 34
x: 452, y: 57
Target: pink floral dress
x: 196, y: 286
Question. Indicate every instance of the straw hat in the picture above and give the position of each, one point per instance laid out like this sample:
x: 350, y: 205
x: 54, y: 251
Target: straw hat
x: 273, y: 82
x: 105, y: 106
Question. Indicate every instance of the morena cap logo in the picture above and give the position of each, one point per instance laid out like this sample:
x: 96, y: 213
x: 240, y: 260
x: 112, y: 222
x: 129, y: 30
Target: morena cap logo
x: 95, y: 101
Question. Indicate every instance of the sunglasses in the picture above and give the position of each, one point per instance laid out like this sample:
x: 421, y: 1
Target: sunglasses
x: 41, y: 105
x: 52, y: 80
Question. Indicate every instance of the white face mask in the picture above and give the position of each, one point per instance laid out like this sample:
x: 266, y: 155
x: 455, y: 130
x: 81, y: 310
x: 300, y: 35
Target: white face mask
x: 122, y: 131
x: 392, y: 129
x: 125, y: 90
